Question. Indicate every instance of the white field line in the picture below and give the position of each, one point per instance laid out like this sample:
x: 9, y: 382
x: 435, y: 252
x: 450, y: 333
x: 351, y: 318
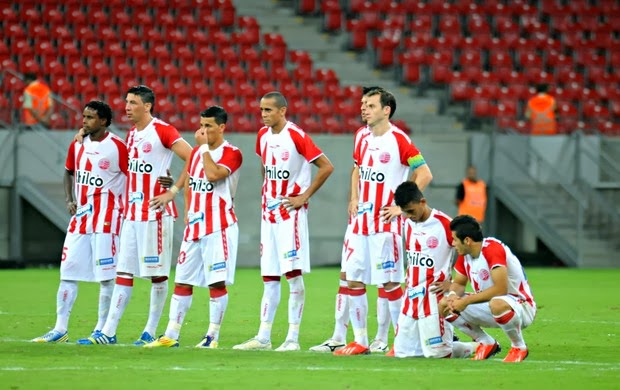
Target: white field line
x: 580, y: 321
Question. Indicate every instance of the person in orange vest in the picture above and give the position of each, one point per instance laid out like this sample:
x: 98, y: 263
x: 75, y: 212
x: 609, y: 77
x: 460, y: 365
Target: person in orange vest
x: 38, y: 104
x: 471, y: 195
x: 541, y: 111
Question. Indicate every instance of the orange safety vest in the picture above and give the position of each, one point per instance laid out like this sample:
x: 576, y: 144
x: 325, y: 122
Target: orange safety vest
x: 542, y: 116
x: 475, y: 201
x: 40, y: 95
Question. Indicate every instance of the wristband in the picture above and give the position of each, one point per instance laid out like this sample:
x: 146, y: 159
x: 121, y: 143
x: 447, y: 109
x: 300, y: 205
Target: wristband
x: 451, y: 293
x: 174, y: 189
x: 204, y: 149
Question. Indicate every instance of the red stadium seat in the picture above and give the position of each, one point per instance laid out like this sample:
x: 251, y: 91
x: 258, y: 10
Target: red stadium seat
x: 483, y: 108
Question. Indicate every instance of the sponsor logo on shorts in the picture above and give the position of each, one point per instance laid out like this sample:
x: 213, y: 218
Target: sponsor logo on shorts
x: 416, y: 292
x: 217, y: 266
x: 290, y: 254
x: 136, y: 197
x: 434, y: 340
x: 84, y: 210
x: 365, y: 207
x: 106, y: 261
x: 386, y: 265
x: 273, y: 204
x: 151, y: 259
x: 196, y: 217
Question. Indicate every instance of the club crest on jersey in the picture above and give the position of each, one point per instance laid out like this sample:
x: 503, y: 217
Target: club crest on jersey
x: 136, y: 197
x: 416, y: 292
x: 84, y: 210
x: 386, y: 265
x: 138, y: 166
x: 273, y: 173
x: 419, y: 259
x: 86, y: 178
x: 364, y: 207
x: 200, y: 185
x: 104, y: 163
x: 484, y: 274
x: 217, y: 266
x: 432, y: 242
x: 384, y: 158
x: 285, y: 155
x: 196, y: 217
x: 147, y: 147
x: 369, y: 174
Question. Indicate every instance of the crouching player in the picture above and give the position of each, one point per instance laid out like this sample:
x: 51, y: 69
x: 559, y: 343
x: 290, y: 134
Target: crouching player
x: 502, y: 296
x: 421, y: 331
x: 209, y: 250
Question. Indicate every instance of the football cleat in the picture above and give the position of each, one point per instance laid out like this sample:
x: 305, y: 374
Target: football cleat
x: 352, y: 348
x: 162, y: 341
x: 207, y: 342
x: 53, y: 336
x: 144, y: 339
x: 254, y: 344
x: 330, y: 345
x: 378, y: 346
x: 516, y: 355
x: 97, y: 338
x: 390, y: 352
x: 485, y: 351
x: 288, y: 345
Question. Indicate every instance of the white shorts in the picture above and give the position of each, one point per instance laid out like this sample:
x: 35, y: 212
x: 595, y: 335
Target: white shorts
x: 146, y: 247
x: 346, y: 252
x: 430, y: 337
x: 211, y: 259
x: 480, y: 313
x: 284, y: 245
x: 375, y: 259
x: 89, y: 257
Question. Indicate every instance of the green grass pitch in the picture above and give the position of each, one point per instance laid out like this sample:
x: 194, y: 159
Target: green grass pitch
x: 574, y: 341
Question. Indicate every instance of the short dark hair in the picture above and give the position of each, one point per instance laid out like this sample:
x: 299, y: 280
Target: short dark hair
x: 146, y: 94
x: 365, y: 90
x: 30, y: 76
x: 217, y: 113
x: 386, y: 98
x: 406, y: 193
x: 542, y: 88
x: 279, y: 98
x: 466, y: 226
x: 103, y: 110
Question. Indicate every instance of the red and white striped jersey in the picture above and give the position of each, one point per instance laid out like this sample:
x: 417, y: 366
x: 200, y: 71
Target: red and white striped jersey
x: 495, y: 254
x: 99, y: 175
x: 286, y: 158
x: 210, y: 208
x: 384, y: 162
x: 150, y: 156
x: 428, y: 247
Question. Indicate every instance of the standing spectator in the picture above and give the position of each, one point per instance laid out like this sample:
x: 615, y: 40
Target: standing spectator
x: 95, y: 172
x: 541, y: 111
x: 384, y: 157
x: 146, y: 236
x: 286, y: 153
x: 502, y: 297
x: 471, y: 195
x: 208, y: 254
x: 38, y: 103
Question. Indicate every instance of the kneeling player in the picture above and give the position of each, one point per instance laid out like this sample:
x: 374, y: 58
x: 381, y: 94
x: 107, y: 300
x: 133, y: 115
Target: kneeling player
x: 208, y: 253
x: 502, y: 296
x: 421, y: 330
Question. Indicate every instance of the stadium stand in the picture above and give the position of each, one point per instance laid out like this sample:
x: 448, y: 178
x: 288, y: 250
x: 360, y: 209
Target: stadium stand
x: 189, y: 51
x: 462, y: 45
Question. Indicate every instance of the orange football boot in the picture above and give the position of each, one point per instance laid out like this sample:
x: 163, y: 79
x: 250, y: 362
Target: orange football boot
x: 352, y: 348
x: 516, y: 355
x: 485, y: 351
